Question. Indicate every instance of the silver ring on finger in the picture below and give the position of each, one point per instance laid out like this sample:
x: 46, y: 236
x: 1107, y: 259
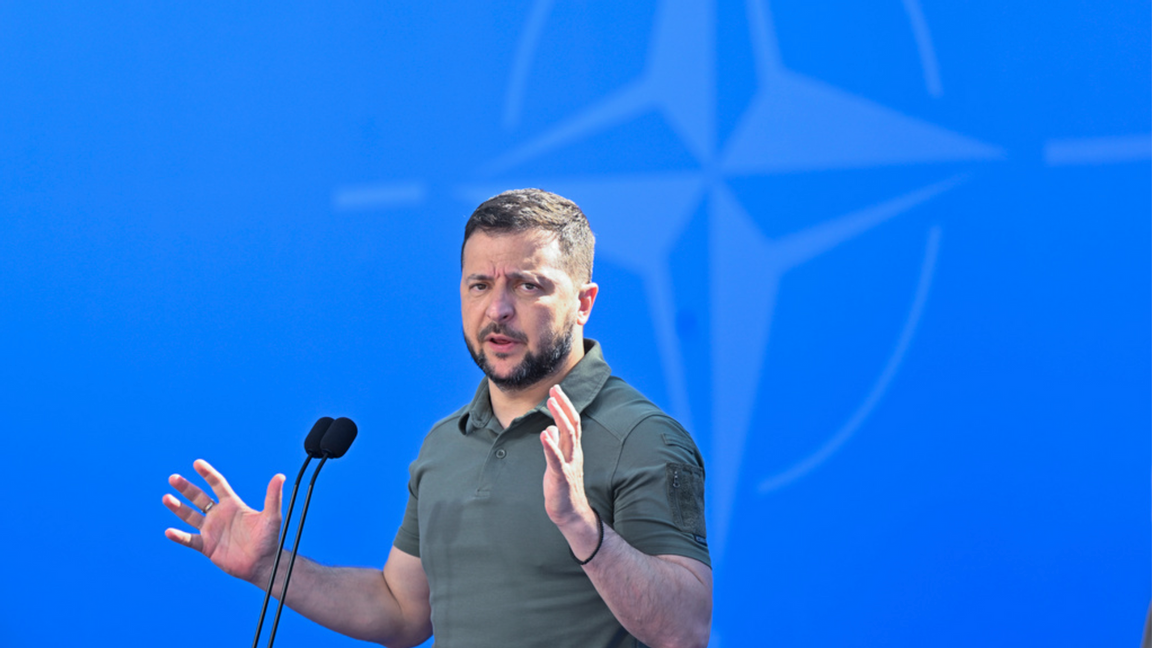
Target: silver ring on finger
x: 208, y: 507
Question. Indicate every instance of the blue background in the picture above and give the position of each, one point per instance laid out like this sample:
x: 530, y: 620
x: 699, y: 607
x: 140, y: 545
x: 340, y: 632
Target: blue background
x: 889, y: 261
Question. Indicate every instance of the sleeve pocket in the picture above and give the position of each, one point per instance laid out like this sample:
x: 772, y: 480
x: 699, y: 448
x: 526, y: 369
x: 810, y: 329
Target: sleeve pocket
x: 686, y: 497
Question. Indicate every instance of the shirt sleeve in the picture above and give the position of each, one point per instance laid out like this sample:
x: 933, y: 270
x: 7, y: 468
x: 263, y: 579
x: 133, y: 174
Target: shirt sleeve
x: 408, y: 536
x: 658, y: 498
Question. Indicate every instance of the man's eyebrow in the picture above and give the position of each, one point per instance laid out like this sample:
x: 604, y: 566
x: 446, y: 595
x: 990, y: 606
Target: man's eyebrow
x: 531, y: 277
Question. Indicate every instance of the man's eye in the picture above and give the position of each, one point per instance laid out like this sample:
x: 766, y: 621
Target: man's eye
x: 530, y: 287
x: 478, y: 286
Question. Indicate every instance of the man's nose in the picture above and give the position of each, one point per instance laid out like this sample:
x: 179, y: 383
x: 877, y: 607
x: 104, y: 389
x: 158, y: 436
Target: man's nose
x: 500, y: 309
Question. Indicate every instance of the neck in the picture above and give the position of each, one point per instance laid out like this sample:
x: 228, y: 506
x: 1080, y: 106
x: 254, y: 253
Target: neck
x: 512, y: 404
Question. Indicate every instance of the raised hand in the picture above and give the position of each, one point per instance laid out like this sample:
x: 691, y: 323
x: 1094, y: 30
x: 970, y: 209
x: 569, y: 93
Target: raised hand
x: 235, y: 537
x: 564, y: 496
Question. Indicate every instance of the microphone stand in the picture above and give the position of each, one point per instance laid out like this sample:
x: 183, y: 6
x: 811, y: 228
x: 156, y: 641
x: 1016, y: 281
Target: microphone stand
x: 280, y: 549
x: 295, y: 547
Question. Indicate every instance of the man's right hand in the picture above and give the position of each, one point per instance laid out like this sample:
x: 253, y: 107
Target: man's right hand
x: 235, y: 537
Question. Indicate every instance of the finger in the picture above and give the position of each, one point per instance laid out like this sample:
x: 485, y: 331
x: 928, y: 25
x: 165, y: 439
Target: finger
x: 569, y: 411
x: 552, y: 450
x: 190, y: 491
x: 273, y: 499
x: 190, y: 540
x: 183, y: 511
x: 566, y: 435
x: 215, y: 479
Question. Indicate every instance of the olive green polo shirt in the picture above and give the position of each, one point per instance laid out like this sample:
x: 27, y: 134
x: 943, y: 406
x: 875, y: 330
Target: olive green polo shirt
x: 500, y: 572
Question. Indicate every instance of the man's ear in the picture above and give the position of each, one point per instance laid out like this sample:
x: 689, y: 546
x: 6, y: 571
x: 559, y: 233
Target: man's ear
x: 587, y: 297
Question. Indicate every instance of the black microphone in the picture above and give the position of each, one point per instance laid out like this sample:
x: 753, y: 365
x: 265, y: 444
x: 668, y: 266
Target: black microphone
x: 312, y: 447
x: 338, y: 438
x: 335, y: 442
x: 312, y: 441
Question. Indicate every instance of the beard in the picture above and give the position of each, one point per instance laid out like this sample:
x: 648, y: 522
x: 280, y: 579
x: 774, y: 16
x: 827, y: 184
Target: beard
x: 534, y: 367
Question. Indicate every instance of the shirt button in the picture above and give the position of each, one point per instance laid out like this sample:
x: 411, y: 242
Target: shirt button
x: 501, y: 453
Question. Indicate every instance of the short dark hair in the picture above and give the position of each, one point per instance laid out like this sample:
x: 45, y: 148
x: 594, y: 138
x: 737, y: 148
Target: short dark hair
x: 521, y: 210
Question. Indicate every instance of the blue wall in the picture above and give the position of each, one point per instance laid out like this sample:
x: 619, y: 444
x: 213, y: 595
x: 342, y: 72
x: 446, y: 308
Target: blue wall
x: 888, y: 261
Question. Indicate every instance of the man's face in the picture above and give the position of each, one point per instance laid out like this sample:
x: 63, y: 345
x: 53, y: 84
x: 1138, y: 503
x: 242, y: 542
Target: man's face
x: 519, y: 306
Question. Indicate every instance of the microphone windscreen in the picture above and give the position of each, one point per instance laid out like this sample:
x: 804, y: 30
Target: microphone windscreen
x: 338, y: 438
x: 312, y: 441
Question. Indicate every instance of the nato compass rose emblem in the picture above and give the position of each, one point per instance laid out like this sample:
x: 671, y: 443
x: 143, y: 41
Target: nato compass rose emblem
x: 793, y: 124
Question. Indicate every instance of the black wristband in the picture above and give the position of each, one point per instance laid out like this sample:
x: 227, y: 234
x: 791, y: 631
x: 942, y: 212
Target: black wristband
x: 599, y: 542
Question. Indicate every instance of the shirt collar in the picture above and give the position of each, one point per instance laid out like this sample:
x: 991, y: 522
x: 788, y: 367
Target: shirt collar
x: 582, y: 384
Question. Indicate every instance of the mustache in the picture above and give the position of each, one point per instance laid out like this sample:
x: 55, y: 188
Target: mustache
x: 496, y: 328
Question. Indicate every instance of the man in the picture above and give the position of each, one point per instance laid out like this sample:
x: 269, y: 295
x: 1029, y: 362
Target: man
x: 608, y: 551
